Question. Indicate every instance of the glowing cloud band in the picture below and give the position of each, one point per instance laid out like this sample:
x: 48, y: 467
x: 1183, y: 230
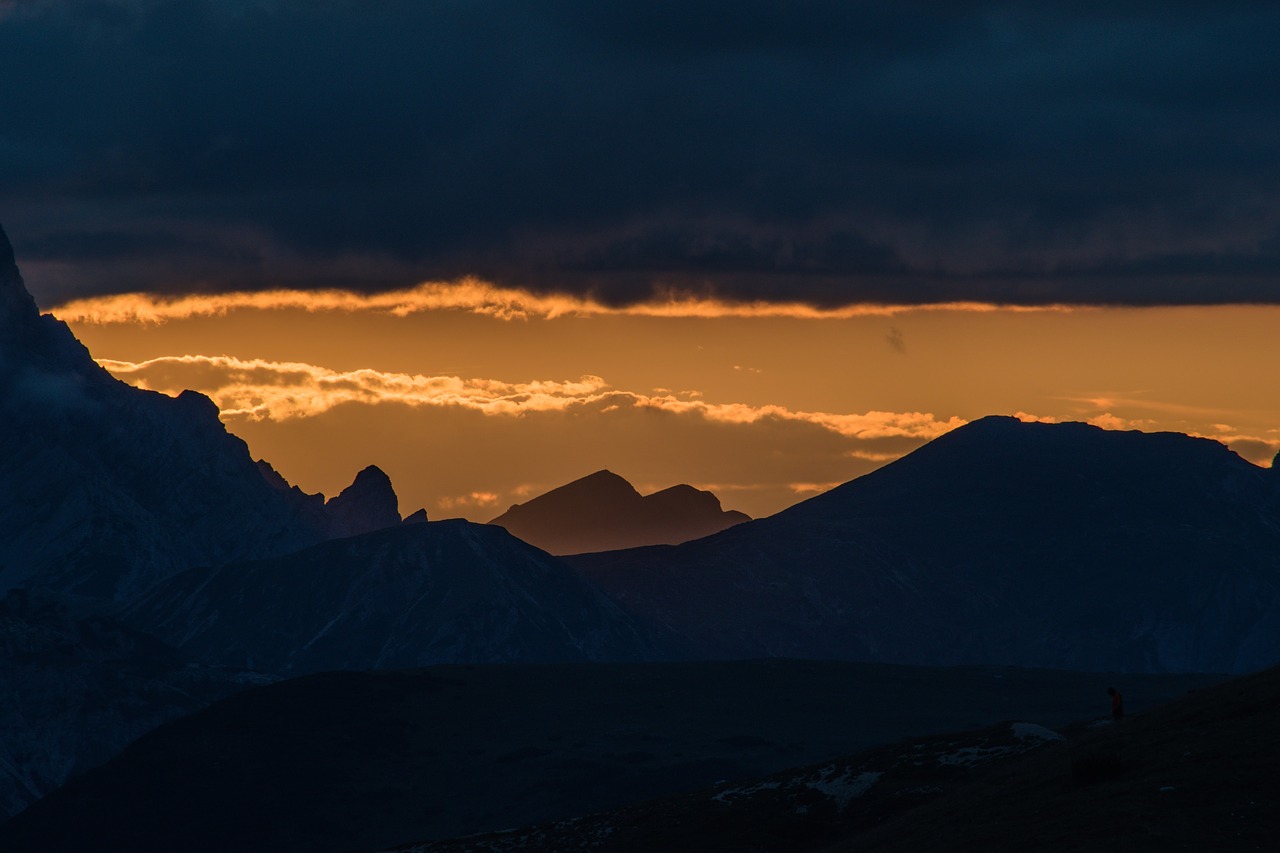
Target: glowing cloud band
x: 479, y: 297
x: 259, y: 389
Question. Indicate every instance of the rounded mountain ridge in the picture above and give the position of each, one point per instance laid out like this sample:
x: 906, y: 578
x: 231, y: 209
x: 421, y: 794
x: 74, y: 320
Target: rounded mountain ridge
x: 603, y: 511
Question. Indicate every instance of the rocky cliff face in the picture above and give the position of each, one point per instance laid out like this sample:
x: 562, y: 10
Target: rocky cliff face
x: 368, y: 504
x: 1058, y: 545
x: 105, y: 488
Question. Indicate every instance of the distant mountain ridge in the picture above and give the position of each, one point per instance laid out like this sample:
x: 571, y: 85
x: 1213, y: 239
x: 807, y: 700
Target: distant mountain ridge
x: 106, y: 488
x: 1059, y: 545
x: 440, y: 592
x: 604, y: 512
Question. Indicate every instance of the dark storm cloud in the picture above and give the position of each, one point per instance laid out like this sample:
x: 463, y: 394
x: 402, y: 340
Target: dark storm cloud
x: 833, y: 152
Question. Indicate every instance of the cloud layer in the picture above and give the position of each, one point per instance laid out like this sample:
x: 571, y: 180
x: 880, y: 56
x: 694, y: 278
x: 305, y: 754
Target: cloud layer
x: 824, y: 153
x: 473, y: 446
x: 478, y: 297
x: 260, y: 389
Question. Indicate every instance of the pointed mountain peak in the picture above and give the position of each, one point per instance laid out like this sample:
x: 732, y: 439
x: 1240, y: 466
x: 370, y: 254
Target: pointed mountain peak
x: 599, y: 489
x: 273, y: 477
x: 16, y: 305
x: 371, y: 477
x: 602, y: 481
x: 368, y: 504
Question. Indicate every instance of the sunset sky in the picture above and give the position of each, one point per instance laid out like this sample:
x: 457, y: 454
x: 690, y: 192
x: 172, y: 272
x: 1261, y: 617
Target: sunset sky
x: 757, y: 247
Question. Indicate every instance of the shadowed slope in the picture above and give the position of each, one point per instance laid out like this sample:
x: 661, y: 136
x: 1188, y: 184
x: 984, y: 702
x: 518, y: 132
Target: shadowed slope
x: 76, y: 687
x: 439, y: 592
x: 1002, y: 542
x: 603, y: 512
x: 1196, y: 774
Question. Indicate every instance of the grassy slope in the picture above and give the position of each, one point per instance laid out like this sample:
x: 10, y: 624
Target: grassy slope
x: 1201, y: 773
x: 361, y: 760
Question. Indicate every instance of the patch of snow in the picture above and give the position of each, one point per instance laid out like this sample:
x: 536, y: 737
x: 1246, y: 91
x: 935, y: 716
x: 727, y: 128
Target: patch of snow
x: 973, y: 754
x: 733, y: 793
x: 844, y: 788
x: 1030, y: 731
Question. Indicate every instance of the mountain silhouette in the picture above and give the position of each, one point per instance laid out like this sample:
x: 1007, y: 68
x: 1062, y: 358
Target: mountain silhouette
x: 106, y: 488
x: 440, y: 592
x: 603, y: 512
x: 1060, y: 545
x: 368, y: 504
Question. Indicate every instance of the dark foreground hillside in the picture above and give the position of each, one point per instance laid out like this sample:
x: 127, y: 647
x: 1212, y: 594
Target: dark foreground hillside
x: 1202, y: 773
x: 1197, y: 774
x: 346, y: 761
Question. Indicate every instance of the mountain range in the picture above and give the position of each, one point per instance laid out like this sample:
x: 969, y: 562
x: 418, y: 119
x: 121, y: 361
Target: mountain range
x: 439, y: 592
x: 603, y: 512
x: 153, y: 566
x: 1034, y: 544
x: 110, y: 488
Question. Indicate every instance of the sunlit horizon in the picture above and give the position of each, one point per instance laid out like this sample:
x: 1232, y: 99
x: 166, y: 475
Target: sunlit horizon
x: 475, y: 402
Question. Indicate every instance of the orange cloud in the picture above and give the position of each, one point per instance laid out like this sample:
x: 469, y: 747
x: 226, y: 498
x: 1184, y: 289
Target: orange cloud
x: 807, y: 489
x: 257, y: 388
x: 474, y: 500
x: 1136, y: 400
x: 479, y: 297
x: 260, y: 389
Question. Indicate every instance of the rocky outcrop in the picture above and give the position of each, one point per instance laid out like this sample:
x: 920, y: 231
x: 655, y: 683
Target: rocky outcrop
x: 368, y: 504
x: 106, y: 488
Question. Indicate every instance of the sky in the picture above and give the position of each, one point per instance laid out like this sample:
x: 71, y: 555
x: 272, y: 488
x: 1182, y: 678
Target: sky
x: 761, y: 248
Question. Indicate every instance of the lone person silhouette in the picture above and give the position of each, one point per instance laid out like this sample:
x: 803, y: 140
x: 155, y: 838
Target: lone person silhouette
x: 1117, y: 704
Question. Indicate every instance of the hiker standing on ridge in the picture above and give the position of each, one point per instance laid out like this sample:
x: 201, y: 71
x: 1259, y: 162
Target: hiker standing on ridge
x: 1117, y: 704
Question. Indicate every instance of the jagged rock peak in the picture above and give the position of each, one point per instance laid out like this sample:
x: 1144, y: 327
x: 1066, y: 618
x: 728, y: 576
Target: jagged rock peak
x: 16, y: 304
x: 273, y: 477
x: 371, y: 477
x: 368, y: 504
x: 199, y: 405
